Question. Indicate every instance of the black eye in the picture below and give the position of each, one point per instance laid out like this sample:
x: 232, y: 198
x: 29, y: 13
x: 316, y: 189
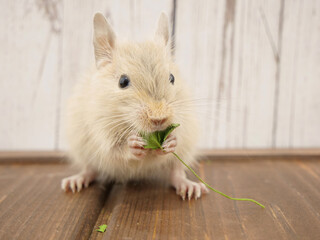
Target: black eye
x: 171, y: 78
x: 124, y: 81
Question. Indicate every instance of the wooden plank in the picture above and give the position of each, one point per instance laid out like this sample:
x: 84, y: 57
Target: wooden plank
x: 27, y: 157
x: 224, y: 57
x: 299, y: 79
x: 288, y: 199
x: 199, y: 27
x: 305, y: 123
x: 153, y: 211
x: 150, y: 211
x: 32, y: 205
x: 288, y: 153
x: 252, y: 66
x: 259, y: 49
x: 30, y: 74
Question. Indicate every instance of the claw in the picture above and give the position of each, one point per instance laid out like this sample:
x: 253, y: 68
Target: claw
x: 86, y: 184
x: 190, y: 191
x: 169, y: 145
x: 183, y: 197
x: 76, y: 182
x: 79, y: 184
x: 136, y: 145
x: 184, y: 186
x: 183, y: 191
x: 198, y: 192
x: 73, y: 186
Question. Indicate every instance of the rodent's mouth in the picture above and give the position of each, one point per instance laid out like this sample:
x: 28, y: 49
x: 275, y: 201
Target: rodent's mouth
x: 158, y: 128
x: 154, y: 128
x: 153, y: 121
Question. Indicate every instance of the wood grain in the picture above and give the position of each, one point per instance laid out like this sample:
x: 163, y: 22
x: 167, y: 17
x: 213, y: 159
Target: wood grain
x: 27, y: 157
x: 298, y: 102
x: 30, y: 74
x: 32, y: 205
x: 225, y: 59
x: 253, y: 66
x: 245, y: 62
x: 153, y: 211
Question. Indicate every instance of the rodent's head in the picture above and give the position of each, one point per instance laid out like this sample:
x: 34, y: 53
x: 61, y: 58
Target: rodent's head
x: 137, y: 84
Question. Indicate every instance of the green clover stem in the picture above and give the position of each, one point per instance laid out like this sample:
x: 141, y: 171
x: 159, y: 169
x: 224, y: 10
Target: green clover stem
x: 225, y: 195
x: 155, y: 141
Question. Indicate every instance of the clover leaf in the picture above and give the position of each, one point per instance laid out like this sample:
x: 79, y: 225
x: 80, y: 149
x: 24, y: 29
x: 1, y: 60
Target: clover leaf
x: 102, y: 228
x: 155, y: 140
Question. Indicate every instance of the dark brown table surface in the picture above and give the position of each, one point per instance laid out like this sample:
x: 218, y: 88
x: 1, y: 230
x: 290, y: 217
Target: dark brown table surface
x: 32, y: 206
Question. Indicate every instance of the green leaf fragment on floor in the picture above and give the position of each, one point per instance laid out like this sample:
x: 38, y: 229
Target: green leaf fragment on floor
x: 155, y: 140
x: 102, y: 228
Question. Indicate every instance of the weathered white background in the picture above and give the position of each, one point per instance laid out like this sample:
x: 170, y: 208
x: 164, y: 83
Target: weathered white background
x: 255, y: 65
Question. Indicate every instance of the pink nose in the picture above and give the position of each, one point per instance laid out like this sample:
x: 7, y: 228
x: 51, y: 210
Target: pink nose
x: 158, y: 121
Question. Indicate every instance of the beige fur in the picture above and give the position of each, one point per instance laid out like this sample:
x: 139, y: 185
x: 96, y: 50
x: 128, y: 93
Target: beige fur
x: 101, y: 115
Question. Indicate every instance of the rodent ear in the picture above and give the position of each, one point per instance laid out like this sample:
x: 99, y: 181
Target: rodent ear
x: 163, y: 28
x: 103, y: 40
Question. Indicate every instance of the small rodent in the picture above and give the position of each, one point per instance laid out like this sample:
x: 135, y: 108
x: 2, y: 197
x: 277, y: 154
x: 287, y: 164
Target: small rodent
x: 135, y: 87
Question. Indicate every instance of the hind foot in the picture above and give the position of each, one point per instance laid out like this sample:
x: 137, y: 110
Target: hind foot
x: 186, y: 188
x: 78, y: 181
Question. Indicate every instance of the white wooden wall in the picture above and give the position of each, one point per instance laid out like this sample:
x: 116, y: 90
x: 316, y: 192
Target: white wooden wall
x: 254, y: 65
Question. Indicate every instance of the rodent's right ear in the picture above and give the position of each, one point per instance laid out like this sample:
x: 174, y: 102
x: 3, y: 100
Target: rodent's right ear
x: 103, y: 40
x: 162, y: 31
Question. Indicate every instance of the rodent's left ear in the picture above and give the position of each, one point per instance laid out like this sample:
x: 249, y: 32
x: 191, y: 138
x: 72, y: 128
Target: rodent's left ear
x: 103, y: 40
x: 163, y: 28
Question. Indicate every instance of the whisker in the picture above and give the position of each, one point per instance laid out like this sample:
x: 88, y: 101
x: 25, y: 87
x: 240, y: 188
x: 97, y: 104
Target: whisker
x: 117, y: 125
x: 114, y: 122
x: 125, y: 132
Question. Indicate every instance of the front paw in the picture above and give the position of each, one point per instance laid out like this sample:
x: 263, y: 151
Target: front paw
x: 136, y: 145
x: 168, y: 146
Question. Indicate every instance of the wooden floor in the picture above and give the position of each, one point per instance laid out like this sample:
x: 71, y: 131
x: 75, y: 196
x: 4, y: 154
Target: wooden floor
x: 32, y: 206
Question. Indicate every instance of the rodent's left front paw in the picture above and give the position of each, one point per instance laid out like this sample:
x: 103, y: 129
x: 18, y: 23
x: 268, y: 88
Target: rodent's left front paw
x: 168, y: 146
x: 136, y: 144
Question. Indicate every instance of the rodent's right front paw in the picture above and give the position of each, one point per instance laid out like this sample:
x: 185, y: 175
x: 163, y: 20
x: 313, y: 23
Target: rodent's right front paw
x: 136, y: 144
